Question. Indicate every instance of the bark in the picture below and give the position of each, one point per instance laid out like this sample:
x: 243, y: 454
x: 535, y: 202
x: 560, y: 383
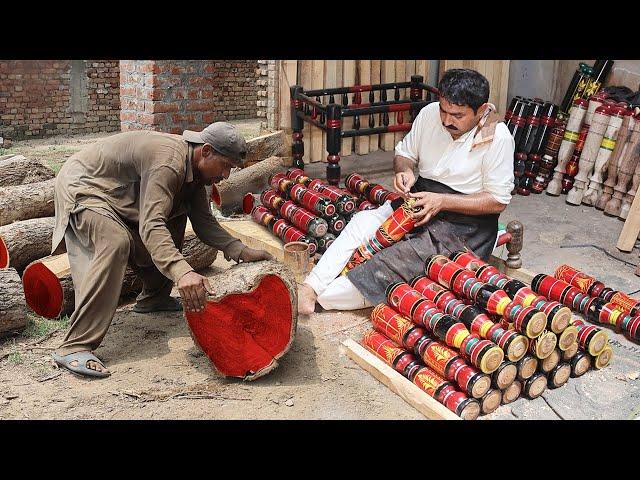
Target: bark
x: 26, y: 241
x: 13, y: 308
x: 17, y: 170
x: 22, y: 202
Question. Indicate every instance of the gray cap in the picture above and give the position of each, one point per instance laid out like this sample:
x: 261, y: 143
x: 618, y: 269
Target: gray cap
x: 223, y: 137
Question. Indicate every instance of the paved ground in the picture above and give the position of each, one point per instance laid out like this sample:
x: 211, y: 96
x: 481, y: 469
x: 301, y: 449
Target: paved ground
x: 158, y: 373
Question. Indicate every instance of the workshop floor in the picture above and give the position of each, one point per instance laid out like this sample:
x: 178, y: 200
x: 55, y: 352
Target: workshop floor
x: 158, y: 373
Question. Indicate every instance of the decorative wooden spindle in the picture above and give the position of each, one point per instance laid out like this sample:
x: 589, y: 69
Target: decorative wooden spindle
x: 491, y: 401
x: 482, y: 353
x: 614, y: 162
x: 558, y: 316
x: 356, y: 184
x: 512, y: 392
x: 514, y: 247
x: 303, y: 219
x: 271, y: 199
x: 281, y: 184
x: 312, y: 201
x: 607, y: 145
x: 592, y: 143
x: 288, y: 233
x: 559, y: 375
x: 298, y: 176
x: 336, y: 224
x: 527, y: 366
x: 393, y: 229
x: 513, y: 344
x: 571, y: 170
x: 535, y: 386
x: 436, y: 355
x: 425, y: 378
x: 627, y: 166
x: 571, y: 134
x: 550, y: 362
x: 580, y: 364
x: 631, y: 193
x: 603, y: 358
x: 590, y: 338
x: 570, y: 352
x: 344, y: 202
x: 504, y: 375
x: 543, y: 345
x: 526, y: 320
x: 579, y: 77
x: 325, y: 242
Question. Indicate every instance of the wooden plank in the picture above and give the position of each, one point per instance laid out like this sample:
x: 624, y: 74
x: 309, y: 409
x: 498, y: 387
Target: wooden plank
x: 318, y: 149
x: 521, y: 274
x: 364, y: 70
x: 422, y: 68
x: 348, y: 80
x: 398, y: 384
x: 304, y: 71
x: 287, y: 76
x: 255, y: 236
x: 388, y: 75
x: 374, y: 140
x: 631, y: 228
x: 401, y: 76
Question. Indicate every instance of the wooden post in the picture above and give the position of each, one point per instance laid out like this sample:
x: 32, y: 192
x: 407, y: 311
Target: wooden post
x: 388, y: 75
x: 317, y: 81
x: 362, y: 143
x: 401, y: 76
x: 374, y: 140
x: 348, y: 80
x: 305, y: 83
x: 631, y: 229
x: 287, y: 77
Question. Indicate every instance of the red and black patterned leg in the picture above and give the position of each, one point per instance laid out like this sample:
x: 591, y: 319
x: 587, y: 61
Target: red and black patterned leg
x: 415, y: 94
x: 297, y: 146
x: 334, y: 143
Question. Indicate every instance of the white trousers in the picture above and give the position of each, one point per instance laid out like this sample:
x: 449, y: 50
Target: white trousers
x: 339, y: 293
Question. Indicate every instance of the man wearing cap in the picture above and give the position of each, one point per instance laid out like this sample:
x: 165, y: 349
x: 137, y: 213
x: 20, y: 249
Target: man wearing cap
x: 125, y: 200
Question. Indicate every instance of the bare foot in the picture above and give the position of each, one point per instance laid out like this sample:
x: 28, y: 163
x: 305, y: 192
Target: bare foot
x: 306, y: 299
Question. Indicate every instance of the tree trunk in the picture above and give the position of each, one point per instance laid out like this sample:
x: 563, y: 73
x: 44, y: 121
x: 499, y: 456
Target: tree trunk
x: 13, y: 309
x: 251, y: 320
x: 265, y: 146
x: 17, y: 170
x: 23, y: 202
x: 228, y: 194
x: 49, y: 289
x: 23, y: 242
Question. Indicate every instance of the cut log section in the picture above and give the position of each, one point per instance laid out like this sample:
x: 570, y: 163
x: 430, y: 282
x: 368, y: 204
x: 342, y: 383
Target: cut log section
x: 265, y: 146
x: 13, y: 309
x: 17, y: 170
x: 23, y: 242
x: 48, y: 287
x: 22, y: 202
x: 250, y: 322
x: 228, y: 194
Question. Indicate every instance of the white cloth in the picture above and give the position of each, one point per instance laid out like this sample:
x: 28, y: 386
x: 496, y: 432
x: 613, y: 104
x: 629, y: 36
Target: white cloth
x: 487, y: 168
x: 339, y: 293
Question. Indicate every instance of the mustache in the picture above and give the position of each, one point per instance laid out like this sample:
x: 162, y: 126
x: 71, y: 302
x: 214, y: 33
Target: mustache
x: 450, y: 127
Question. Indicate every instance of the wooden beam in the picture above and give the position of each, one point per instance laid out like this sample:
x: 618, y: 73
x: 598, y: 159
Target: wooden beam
x: 348, y: 80
x: 318, y: 149
x: 331, y: 80
x: 287, y: 76
x: 255, y: 236
x: 364, y: 69
x: 631, y: 228
x: 398, y: 384
x: 374, y: 140
x: 305, y: 82
x: 521, y: 274
x: 388, y: 75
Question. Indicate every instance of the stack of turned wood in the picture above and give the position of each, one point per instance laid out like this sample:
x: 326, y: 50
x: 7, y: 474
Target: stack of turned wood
x: 299, y: 208
x: 473, y: 338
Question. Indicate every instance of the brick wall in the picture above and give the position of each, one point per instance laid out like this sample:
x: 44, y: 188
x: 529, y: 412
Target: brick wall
x: 173, y: 95
x: 39, y: 98
x: 267, y: 88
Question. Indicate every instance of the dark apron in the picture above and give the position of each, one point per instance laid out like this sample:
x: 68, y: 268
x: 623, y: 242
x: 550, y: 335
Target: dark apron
x: 443, y: 234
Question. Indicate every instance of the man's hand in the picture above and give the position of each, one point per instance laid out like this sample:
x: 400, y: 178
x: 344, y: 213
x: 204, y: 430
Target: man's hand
x: 427, y: 205
x: 403, y: 181
x: 252, y: 255
x: 193, y: 289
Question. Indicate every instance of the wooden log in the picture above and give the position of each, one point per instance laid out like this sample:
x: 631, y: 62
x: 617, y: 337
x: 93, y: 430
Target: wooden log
x: 228, y: 194
x: 48, y: 287
x: 409, y: 392
x: 251, y: 320
x: 17, y: 170
x: 265, y: 146
x: 23, y: 242
x: 22, y: 202
x: 13, y: 308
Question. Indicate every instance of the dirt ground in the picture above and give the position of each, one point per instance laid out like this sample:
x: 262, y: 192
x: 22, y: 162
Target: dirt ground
x: 158, y: 372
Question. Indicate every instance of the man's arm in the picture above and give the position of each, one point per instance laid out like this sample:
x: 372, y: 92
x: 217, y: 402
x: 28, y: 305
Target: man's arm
x: 211, y: 232
x: 430, y: 204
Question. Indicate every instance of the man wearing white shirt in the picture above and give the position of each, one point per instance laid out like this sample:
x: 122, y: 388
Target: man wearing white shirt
x: 464, y: 158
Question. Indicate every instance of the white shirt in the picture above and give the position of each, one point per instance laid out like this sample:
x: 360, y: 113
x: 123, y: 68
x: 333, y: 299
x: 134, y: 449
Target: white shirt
x: 487, y: 168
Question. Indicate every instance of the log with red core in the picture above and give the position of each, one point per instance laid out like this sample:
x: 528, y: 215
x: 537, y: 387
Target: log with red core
x: 251, y: 322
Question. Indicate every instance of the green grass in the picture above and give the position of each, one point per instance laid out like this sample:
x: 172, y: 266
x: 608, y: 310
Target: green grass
x: 39, y: 327
x: 16, y: 358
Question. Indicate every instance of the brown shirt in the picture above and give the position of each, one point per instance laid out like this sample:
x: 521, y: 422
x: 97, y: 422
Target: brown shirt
x: 141, y: 178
